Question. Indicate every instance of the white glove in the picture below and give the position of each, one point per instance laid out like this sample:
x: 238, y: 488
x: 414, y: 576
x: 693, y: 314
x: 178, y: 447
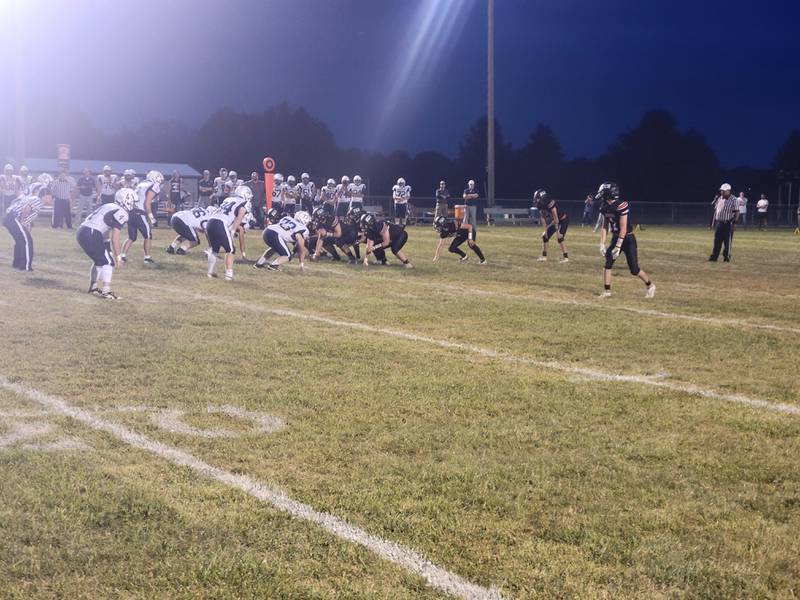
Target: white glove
x: 615, y: 253
x: 602, y: 250
x: 151, y: 218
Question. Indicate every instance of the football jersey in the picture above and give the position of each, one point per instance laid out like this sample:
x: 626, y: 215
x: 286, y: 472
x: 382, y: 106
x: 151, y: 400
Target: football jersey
x: 395, y: 231
x: 106, y: 217
x: 277, y: 192
x: 401, y: 194
x: 612, y: 213
x: 108, y: 184
x: 141, y: 192
x: 328, y: 194
x: 195, y: 218
x: 9, y: 185
x: 357, y: 191
x: 289, y: 193
x: 229, y: 209
x: 308, y: 191
x: 343, y: 192
x: 288, y: 228
x: 219, y: 186
x: 545, y: 206
x: 25, y: 183
x: 131, y: 183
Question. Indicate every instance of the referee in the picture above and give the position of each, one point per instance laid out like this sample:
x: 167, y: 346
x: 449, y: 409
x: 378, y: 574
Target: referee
x: 18, y: 221
x: 726, y: 212
x: 63, y: 191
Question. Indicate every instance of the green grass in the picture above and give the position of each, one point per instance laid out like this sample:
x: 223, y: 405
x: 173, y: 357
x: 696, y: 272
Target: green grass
x: 532, y: 479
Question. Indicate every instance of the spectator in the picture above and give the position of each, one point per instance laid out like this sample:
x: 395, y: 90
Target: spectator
x: 106, y: 186
x: 743, y: 209
x: 761, y: 209
x: 63, y: 194
x: 442, y: 197
x: 471, y: 199
x: 588, y: 210
x: 175, y: 188
x: 259, y: 198
x: 205, y: 188
x: 9, y: 188
x: 86, y: 194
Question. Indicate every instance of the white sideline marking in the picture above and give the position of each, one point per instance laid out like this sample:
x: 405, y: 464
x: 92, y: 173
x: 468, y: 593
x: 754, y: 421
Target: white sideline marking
x: 595, y: 374
x: 393, y: 552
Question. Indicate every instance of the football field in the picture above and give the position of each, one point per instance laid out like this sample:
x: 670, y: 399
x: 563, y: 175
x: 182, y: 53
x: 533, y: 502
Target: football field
x: 456, y: 430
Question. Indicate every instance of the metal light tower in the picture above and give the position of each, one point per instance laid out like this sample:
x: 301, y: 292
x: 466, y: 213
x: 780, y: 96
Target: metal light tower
x: 490, y: 108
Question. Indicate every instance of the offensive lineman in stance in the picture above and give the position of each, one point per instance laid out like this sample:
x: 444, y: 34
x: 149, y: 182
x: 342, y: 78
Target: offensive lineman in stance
x: 381, y: 235
x: 98, y: 236
x: 460, y: 232
x: 616, y: 216
x: 289, y: 230
x: 189, y: 224
x: 555, y: 221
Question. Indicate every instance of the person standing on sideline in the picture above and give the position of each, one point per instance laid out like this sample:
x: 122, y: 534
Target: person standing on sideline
x: 762, y: 207
x: 726, y: 212
x: 615, y: 215
x: 442, y: 195
x: 401, y: 194
x: 18, y: 221
x: 175, y: 188
x: 205, y: 187
x: 471, y: 197
x: 742, y: 201
x: 106, y: 186
x: 259, y: 202
x: 86, y: 193
x: 588, y: 209
x: 9, y: 187
x: 63, y: 194
x: 219, y: 186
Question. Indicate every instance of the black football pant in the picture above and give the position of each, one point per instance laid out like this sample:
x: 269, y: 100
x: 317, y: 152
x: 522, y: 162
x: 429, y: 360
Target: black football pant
x: 23, y: 243
x: 723, y: 239
x: 62, y: 213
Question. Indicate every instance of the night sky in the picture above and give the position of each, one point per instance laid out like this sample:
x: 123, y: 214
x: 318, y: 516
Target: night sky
x: 411, y: 74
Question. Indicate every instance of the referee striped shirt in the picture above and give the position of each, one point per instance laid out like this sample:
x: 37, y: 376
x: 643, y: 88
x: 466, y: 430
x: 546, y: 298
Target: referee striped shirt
x: 18, y: 207
x: 726, y: 209
x: 62, y: 188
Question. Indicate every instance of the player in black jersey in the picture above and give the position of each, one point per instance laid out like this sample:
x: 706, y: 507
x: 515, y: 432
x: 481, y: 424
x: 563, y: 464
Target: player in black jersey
x: 327, y: 228
x: 555, y: 221
x: 460, y: 232
x: 616, y: 217
x: 381, y: 235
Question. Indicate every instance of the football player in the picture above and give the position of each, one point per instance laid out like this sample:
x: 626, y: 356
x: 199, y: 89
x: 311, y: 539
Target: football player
x: 326, y: 228
x: 358, y: 190
x: 288, y: 230
x: 98, y: 236
x: 381, y: 235
x: 18, y: 218
x: 106, y: 186
x: 248, y: 221
x: 616, y: 217
x: 290, y: 194
x: 554, y: 221
x: 9, y: 187
x: 401, y: 194
x: 328, y: 197
x: 141, y: 217
x: 277, y: 192
x: 460, y: 232
x: 25, y: 180
x: 189, y: 224
x: 219, y: 186
x: 343, y: 197
x: 128, y: 180
x: 307, y: 193
x: 220, y: 229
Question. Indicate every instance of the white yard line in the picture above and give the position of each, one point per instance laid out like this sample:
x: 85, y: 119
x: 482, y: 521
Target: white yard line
x: 407, y: 558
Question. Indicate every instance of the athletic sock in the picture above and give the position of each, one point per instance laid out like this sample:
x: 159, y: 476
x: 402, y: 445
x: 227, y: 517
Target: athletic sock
x: 477, y: 251
x: 212, y: 262
x: 228, y: 273
x: 174, y: 245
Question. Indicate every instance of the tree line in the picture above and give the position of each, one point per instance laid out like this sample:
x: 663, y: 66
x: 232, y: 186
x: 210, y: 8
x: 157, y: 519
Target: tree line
x: 655, y: 161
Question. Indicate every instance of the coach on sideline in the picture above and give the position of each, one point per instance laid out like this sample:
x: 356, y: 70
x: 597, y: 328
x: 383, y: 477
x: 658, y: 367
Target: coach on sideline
x: 726, y: 212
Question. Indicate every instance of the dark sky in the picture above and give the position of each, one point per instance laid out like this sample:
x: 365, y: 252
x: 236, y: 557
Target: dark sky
x: 411, y: 74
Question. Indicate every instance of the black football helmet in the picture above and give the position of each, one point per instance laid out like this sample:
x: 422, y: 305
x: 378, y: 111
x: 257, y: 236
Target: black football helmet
x: 539, y: 196
x: 273, y: 215
x: 607, y: 190
x: 440, y: 222
x: 354, y: 214
x: 367, y: 222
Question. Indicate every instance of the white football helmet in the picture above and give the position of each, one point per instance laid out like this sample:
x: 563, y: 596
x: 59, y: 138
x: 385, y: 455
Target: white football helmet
x: 278, y: 177
x: 302, y: 217
x: 357, y: 179
x: 291, y: 180
x: 23, y: 170
x: 126, y: 198
x: 304, y: 177
x: 129, y: 173
x: 45, y: 179
x: 331, y: 182
x: 244, y: 192
x: 233, y: 175
x: 107, y: 169
x: 345, y: 179
x: 401, y: 181
x: 155, y: 176
x: 8, y: 168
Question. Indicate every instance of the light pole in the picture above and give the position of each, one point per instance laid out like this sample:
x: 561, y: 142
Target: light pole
x: 490, y: 107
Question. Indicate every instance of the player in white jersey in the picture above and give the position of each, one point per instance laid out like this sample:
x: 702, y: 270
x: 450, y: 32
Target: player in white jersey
x: 401, y: 194
x: 98, y: 236
x: 189, y: 224
x: 221, y: 227
x: 141, y: 217
x: 307, y: 193
x: 25, y: 180
x: 290, y: 195
x: 219, y: 186
x: 10, y: 185
x: 106, y: 186
x: 327, y: 196
x: 358, y: 190
x: 277, y: 192
x: 289, y: 230
x: 343, y: 197
x: 128, y: 180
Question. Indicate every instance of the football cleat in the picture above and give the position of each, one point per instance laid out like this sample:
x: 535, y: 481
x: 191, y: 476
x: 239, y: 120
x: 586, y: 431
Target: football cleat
x: 564, y: 260
x: 181, y: 252
x: 605, y: 294
x: 273, y: 268
x: 463, y: 259
x: 123, y: 258
x: 93, y: 290
x: 212, y: 276
x: 149, y: 260
x: 651, y: 291
x: 409, y: 265
x: 541, y: 259
x: 170, y: 250
x: 109, y: 295
x: 483, y: 262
